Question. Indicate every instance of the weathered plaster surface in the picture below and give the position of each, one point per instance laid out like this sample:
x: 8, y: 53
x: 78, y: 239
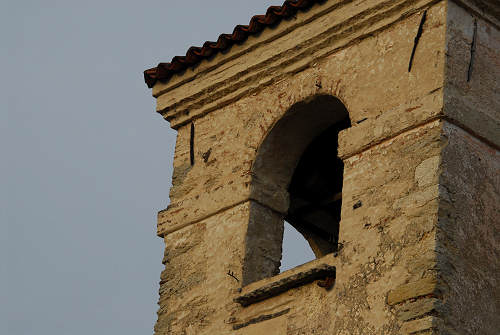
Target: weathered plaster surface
x: 195, y: 291
x: 388, y: 242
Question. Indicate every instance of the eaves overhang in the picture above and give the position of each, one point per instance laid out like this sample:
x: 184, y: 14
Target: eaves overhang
x: 274, y: 15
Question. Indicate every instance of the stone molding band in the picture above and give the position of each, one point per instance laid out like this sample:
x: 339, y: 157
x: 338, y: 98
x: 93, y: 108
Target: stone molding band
x: 162, y: 230
x: 236, y: 86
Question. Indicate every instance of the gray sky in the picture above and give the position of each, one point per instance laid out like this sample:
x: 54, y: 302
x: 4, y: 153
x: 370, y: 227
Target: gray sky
x: 86, y: 160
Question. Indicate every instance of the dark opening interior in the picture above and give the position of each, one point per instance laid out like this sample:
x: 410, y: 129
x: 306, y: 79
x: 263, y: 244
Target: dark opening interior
x: 316, y: 191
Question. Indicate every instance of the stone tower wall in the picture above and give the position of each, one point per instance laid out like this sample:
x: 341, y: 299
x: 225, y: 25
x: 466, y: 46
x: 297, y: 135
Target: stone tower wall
x: 419, y: 228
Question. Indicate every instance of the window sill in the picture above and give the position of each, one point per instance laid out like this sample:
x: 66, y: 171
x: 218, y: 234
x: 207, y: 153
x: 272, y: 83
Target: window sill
x: 318, y: 269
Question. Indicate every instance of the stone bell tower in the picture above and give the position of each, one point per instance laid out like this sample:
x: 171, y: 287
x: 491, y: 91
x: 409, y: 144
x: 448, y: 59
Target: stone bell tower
x: 373, y: 128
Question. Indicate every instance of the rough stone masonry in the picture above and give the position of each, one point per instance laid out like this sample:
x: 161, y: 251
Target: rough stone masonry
x: 416, y: 246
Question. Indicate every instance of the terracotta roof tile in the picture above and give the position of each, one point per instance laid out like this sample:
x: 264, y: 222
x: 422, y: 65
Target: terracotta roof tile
x: 194, y: 55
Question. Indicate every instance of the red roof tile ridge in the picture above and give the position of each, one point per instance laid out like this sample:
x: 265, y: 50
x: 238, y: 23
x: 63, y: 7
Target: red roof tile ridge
x: 274, y: 14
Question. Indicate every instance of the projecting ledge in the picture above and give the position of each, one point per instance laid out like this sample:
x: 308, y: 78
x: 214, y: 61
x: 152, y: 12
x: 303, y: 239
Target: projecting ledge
x: 319, y: 269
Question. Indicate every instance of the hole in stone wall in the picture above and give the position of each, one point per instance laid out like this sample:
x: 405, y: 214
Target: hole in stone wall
x: 191, y: 145
x: 296, y: 250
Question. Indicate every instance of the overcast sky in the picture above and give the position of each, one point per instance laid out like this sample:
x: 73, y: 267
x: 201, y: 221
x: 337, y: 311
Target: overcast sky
x: 86, y: 161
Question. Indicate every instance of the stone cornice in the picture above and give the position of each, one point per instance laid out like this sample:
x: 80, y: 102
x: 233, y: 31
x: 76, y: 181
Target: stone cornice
x: 251, y: 44
x: 258, y: 63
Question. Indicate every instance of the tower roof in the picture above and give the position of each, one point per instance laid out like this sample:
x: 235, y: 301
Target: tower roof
x: 274, y: 15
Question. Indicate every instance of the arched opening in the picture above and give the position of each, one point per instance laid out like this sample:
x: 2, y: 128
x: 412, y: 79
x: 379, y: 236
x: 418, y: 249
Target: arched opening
x: 297, y: 177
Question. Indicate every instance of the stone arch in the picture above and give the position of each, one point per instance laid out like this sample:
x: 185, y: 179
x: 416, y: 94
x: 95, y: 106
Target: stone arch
x: 300, y: 147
